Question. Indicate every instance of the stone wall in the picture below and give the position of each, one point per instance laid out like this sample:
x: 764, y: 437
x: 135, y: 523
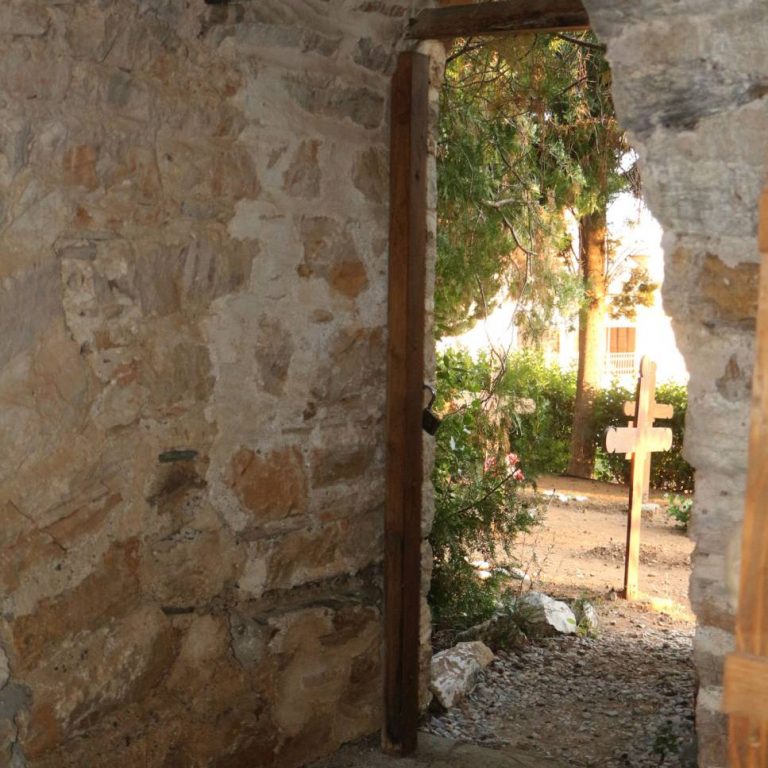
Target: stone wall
x: 690, y: 81
x: 193, y: 236
x: 193, y: 250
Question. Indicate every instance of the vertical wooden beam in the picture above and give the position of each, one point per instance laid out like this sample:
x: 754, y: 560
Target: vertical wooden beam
x: 407, y: 286
x: 641, y: 458
x: 746, y: 671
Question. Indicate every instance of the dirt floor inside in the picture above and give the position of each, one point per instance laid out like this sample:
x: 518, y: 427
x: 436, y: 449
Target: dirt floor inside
x: 434, y: 752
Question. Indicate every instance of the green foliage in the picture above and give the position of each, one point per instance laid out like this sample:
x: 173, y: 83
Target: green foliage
x: 669, y: 470
x: 584, y: 628
x: 476, y: 502
x: 543, y: 435
x: 489, y: 432
x: 638, y: 291
x: 679, y: 509
x: 527, y: 131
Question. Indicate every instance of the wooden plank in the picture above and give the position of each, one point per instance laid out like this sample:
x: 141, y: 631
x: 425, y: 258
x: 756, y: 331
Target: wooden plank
x: 626, y: 440
x: 640, y: 440
x: 407, y: 286
x: 748, y: 733
x: 621, y: 440
x: 659, y: 411
x: 748, y: 683
x: 499, y: 18
x: 646, y: 389
x: 634, y: 522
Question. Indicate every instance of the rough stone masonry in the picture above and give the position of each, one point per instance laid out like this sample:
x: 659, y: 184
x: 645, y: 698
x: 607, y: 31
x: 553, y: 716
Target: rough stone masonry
x: 193, y: 250
x: 690, y: 83
x: 193, y: 257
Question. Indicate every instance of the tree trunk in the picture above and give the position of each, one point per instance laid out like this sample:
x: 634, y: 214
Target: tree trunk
x: 592, y: 256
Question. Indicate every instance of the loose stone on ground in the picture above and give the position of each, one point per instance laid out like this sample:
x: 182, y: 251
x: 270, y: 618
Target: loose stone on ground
x: 455, y: 671
x: 621, y: 699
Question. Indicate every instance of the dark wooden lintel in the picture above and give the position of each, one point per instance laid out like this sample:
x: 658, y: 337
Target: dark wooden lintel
x: 499, y: 18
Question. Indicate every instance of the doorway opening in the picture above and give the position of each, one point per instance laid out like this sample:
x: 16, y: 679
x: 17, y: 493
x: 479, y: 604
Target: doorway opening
x: 547, y: 298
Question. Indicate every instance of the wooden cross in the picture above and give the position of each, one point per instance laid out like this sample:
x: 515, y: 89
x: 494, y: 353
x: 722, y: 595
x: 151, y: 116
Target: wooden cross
x: 639, y: 440
x: 657, y: 411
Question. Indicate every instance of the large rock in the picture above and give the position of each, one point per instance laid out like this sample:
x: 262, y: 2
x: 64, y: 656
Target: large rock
x: 454, y: 672
x: 544, y: 615
x: 503, y: 631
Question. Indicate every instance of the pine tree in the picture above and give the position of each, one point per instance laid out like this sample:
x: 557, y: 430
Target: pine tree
x: 528, y: 132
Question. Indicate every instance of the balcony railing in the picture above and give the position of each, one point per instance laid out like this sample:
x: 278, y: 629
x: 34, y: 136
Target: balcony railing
x: 620, y: 364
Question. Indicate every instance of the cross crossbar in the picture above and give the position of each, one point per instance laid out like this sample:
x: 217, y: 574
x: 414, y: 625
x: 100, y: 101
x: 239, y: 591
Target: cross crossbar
x: 629, y: 440
x: 659, y: 410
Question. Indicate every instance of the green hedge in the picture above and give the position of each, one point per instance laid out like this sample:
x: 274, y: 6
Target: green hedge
x: 488, y: 434
x: 669, y: 470
x: 542, y: 438
x: 477, y: 506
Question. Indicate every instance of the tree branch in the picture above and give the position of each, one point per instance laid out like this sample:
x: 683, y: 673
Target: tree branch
x: 583, y: 43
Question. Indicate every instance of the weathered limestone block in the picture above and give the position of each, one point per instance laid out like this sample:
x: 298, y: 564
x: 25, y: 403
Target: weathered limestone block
x: 544, y: 615
x: 271, y: 486
x: 119, y: 662
x: 334, y: 658
x: 370, y: 175
x: 454, y: 671
x: 330, y: 253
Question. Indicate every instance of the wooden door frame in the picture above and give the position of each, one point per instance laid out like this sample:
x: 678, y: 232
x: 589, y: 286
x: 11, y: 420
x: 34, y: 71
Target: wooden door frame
x: 408, y: 248
x: 405, y: 378
x: 746, y: 671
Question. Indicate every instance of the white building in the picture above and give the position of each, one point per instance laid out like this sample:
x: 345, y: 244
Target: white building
x: 650, y: 333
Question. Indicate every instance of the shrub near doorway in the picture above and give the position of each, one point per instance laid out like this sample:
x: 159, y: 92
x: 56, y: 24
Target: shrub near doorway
x: 669, y: 470
x: 476, y: 479
x: 543, y: 434
x: 521, y: 407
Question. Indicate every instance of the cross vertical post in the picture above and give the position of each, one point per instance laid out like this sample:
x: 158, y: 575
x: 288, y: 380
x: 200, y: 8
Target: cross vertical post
x: 639, y: 440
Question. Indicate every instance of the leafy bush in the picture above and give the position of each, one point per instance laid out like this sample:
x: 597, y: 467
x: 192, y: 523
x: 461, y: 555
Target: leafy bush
x: 489, y: 438
x: 476, y: 480
x: 543, y: 436
x: 679, y: 509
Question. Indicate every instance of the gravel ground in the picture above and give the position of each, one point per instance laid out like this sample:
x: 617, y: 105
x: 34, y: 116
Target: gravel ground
x: 624, y: 698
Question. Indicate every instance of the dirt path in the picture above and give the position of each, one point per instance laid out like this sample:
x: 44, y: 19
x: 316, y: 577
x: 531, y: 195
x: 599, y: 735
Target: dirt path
x: 622, y: 699
x: 579, y: 550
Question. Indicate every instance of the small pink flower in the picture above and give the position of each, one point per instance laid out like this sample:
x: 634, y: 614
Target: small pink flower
x: 518, y: 475
x: 513, y: 459
x: 489, y: 463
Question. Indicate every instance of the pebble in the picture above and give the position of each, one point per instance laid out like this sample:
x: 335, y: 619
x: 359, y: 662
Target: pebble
x: 622, y: 699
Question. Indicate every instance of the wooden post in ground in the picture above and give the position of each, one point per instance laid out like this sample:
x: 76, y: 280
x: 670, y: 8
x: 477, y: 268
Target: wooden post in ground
x: 746, y: 670
x: 639, y: 440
